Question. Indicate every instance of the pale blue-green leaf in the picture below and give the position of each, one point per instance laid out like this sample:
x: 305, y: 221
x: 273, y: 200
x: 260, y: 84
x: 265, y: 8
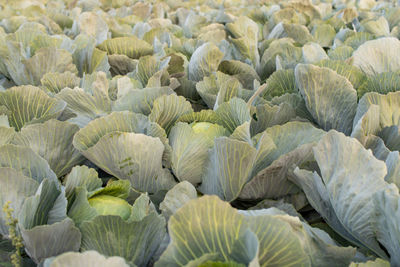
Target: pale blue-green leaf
x: 330, y: 97
x: 81, y: 176
x: 386, y: 224
x: 204, y: 61
x: 29, y: 163
x: 52, y: 140
x: 377, y: 56
x: 28, y: 105
x: 177, y: 197
x: 167, y: 109
x: 135, y: 157
x: 140, y: 100
x: 207, y: 226
x: 229, y: 167
x: 273, y: 181
x: 313, y: 52
x: 233, y: 113
x: 14, y: 187
x: 190, y: 150
x: 134, y: 241
x: 363, y: 176
x: 46, y: 241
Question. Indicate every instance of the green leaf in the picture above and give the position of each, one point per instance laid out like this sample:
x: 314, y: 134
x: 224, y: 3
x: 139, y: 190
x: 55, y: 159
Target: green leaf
x: 378, y: 262
x: 280, y: 83
x: 245, y: 33
x: 47, y: 206
x: 14, y: 187
x: 140, y: 100
x: 382, y: 83
x: 167, y: 109
x: 221, y: 264
x: 52, y: 140
x: 88, y: 104
x: 205, y: 115
x: 283, y: 48
x: 266, y: 116
x: 121, y: 64
x: 387, y: 213
x: 190, y: 150
x: 241, y: 71
x: 230, y: 164
x: 324, y: 34
x: 6, y: 133
x: 28, y: 105
x: 291, y: 135
x: 233, y: 113
x: 149, y: 66
x: 378, y: 27
x: 208, y: 226
x: 29, y: 163
x: 81, y: 176
x: 341, y: 53
x: 204, y: 61
x: 93, y: 25
x: 49, y: 59
x: 313, y: 52
x: 129, y: 46
x: 135, y: 157
x: 350, y: 72
x: 45, y: 241
x: 135, y: 241
x: 350, y: 175
x: 357, y: 39
x: 279, y: 246
x: 87, y: 58
x: 177, y: 197
x: 330, y: 97
x: 54, y: 82
x: 124, y: 121
x: 376, y: 56
x: 273, y: 181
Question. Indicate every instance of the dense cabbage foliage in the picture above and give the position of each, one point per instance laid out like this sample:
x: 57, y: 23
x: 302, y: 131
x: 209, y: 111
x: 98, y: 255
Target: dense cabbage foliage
x: 199, y: 133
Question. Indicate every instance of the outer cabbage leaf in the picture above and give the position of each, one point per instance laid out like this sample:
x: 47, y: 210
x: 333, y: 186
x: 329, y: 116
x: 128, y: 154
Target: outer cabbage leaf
x: 208, y: 226
x: 330, y: 97
x: 167, y: 109
x: 387, y: 226
x: 363, y: 176
x: 135, y: 157
x: 124, y: 121
x: 136, y: 241
x: 89, y: 103
x: 52, y: 140
x: 87, y: 57
x: 48, y: 60
x: 177, y: 197
x: 204, y: 61
x: 45, y: 241
x: 29, y: 163
x: 129, y: 46
x: 377, y: 56
x: 29, y: 104
x: 190, y: 150
x: 14, y: 187
x: 54, y: 82
x: 92, y: 24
